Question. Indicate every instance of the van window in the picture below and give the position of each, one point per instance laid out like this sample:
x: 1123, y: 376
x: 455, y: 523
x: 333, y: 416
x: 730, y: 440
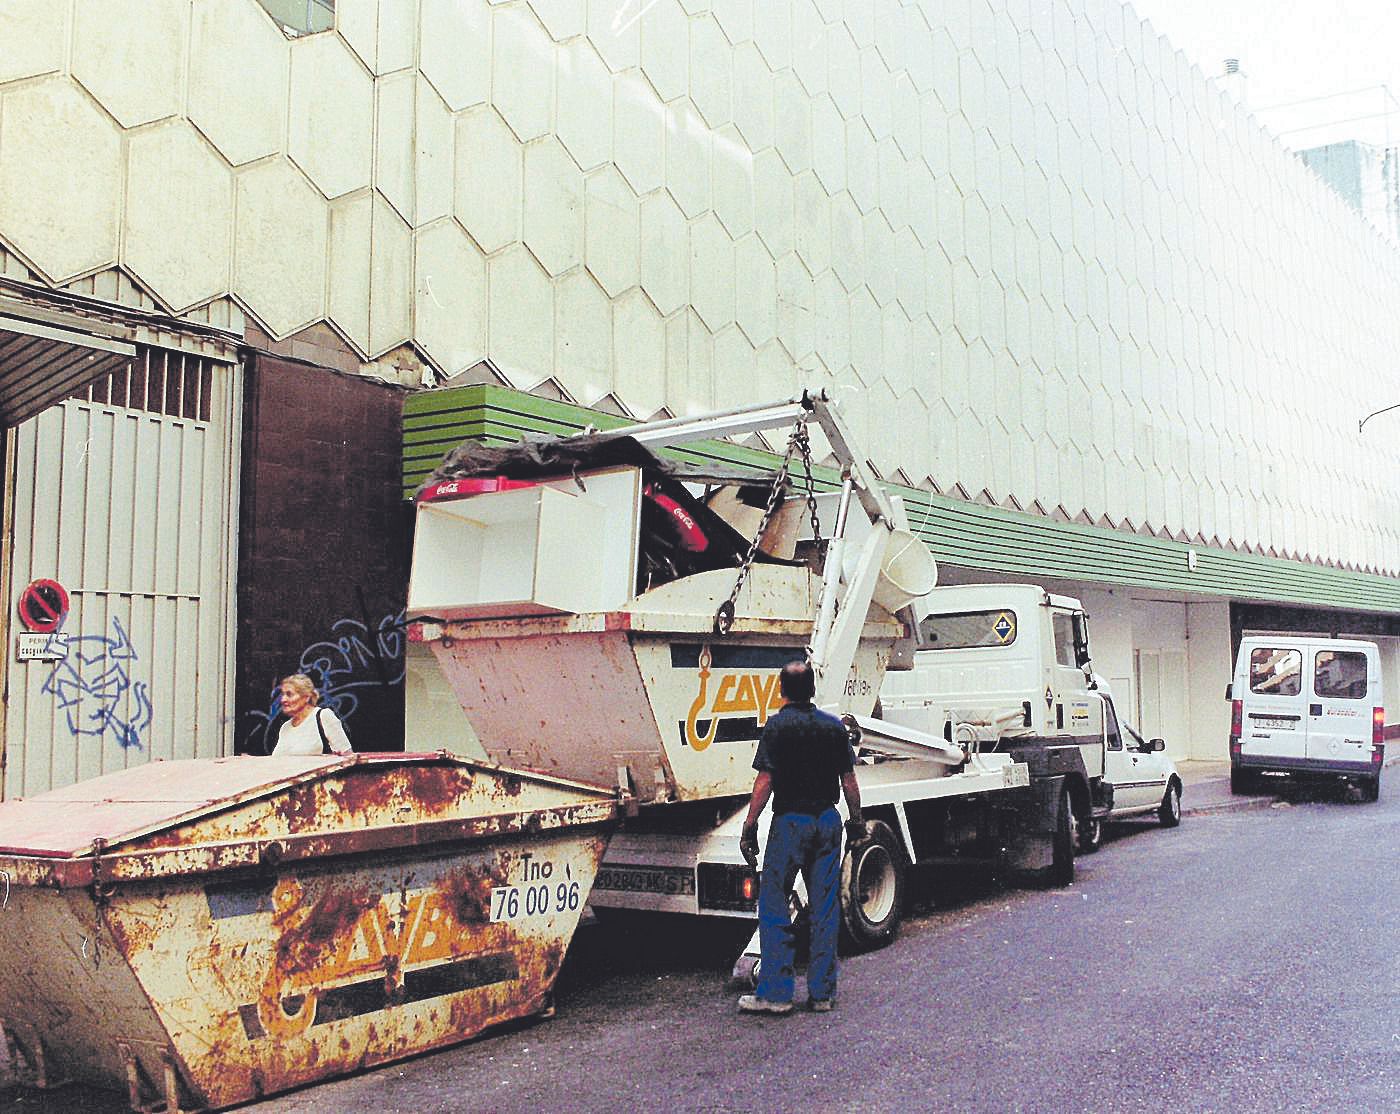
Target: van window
x: 1275, y: 671
x: 966, y: 629
x: 1063, y: 623
x: 1340, y: 674
x: 1110, y: 726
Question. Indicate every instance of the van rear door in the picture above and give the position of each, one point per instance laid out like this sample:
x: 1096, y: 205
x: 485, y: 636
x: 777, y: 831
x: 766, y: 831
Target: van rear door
x: 1339, y: 712
x: 1275, y: 698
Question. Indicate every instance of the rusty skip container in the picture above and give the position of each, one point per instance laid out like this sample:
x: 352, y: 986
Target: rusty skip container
x: 202, y: 933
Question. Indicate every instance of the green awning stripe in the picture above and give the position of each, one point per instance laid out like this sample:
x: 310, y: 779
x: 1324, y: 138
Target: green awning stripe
x: 958, y: 532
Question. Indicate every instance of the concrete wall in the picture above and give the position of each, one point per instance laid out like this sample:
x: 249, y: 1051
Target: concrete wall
x: 1075, y: 275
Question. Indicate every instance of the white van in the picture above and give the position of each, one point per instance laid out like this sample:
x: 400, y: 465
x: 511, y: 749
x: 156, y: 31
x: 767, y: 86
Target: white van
x: 1307, y: 706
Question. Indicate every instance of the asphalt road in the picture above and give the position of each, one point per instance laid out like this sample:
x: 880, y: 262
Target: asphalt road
x: 1245, y: 961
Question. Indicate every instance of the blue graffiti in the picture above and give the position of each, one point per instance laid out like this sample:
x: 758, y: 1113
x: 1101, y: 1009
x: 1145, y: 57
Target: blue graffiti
x: 94, y: 681
x: 354, y: 657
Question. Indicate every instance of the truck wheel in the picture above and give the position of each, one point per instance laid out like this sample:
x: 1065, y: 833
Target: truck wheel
x: 1371, y: 788
x: 1243, y: 781
x: 1169, y: 811
x: 1088, y: 834
x: 1061, y: 870
x: 872, y: 889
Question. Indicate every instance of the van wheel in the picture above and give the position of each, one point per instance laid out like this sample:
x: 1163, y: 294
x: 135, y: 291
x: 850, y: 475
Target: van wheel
x: 1243, y: 781
x: 872, y: 889
x: 1169, y: 811
x: 1088, y: 834
x: 1371, y: 788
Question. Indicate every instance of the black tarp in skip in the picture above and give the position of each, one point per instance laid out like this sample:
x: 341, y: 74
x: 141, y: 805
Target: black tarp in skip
x: 670, y: 548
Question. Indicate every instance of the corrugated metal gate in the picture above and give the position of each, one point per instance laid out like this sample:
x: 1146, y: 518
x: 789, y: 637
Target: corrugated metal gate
x: 127, y: 497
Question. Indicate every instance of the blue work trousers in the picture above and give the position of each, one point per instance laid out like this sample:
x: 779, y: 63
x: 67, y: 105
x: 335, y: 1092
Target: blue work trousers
x: 813, y: 845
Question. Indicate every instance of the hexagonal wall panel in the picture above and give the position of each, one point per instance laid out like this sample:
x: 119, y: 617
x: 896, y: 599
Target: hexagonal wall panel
x: 612, y: 244
x: 796, y: 307
x: 520, y: 335
x: 732, y: 182
x: 449, y: 297
x: 688, y: 146
x: 711, y: 72
x: 563, y: 19
x: 454, y: 46
x: 131, y: 56
x: 735, y: 18
x: 772, y: 33
x: 828, y: 145
x: 585, y: 92
x: 553, y: 205
x: 665, y: 252
x: 712, y: 272
x: 522, y: 72
x: 809, y: 44
x: 772, y: 201
x: 734, y: 368
x: 583, y: 340
x: 753, y: 97
x: 639, y: 133
x: 792, y: 122
x: 332, y: 115
x: 390, y: 278
x: 60, y: 178
x: 756, y: 290
x: 240, y: 99
x: 847, y: 241
x: 639, y: 353
x: 280, y: 252
x: 351, y: 237
x: 489, y: 179
x: 665, y: 48
x: 813, y: 229
x: 394, y: 175
x: 383, y: 33
x: 179, y: 215
x: 615, y: 30
x: 34, y: 35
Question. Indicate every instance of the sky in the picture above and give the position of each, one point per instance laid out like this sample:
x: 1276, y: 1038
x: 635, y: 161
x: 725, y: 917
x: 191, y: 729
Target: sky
x: 1342, y: 57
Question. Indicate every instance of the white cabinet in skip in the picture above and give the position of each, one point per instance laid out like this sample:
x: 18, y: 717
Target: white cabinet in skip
x: 565, y: 545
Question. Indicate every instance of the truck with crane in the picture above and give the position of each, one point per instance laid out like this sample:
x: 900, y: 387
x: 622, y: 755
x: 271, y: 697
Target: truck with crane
x: 610, y: 615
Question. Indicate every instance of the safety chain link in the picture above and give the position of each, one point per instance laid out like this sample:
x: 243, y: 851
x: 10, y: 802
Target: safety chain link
x: 797, y: 442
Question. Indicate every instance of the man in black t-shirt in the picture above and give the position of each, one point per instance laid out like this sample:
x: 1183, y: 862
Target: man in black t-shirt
x: 804, y: 760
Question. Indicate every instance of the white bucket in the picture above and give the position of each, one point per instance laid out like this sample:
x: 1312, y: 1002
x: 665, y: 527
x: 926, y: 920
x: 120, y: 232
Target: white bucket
x: 907, y: 572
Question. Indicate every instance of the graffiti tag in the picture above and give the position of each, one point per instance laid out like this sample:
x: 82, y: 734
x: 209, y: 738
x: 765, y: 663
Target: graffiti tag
x: 353, y: 658
x: 93, y: 684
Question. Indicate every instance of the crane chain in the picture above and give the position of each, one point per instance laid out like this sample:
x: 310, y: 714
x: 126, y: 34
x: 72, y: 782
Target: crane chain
x: 724, y: 614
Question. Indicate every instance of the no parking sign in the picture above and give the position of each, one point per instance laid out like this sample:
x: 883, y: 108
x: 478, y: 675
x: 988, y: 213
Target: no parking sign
x: 42, y: 606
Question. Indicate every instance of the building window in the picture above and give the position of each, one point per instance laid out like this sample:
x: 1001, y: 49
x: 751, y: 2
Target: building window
x: 301, y: 17
x: 157, y: 381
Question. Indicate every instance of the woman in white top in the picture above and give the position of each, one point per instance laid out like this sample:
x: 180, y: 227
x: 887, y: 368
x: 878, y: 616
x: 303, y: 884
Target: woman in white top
x: 302, y: 733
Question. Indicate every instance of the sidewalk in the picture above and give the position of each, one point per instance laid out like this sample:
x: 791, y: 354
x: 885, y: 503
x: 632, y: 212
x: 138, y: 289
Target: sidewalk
x: 1206, y: 786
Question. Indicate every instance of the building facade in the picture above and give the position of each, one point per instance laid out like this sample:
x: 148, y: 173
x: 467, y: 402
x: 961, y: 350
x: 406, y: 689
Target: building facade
x: 1106, y: 333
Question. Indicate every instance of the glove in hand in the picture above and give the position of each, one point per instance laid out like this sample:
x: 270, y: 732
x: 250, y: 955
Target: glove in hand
x: 748, y: 846
x: 856, y: 831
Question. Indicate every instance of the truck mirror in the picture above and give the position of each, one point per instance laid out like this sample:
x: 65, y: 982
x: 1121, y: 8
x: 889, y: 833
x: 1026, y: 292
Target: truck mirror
x: 1157, y: 744
x: 1230, y: 692
x: 1082, y: 656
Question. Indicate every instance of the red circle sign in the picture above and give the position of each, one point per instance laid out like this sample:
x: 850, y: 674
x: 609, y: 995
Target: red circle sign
x: 43, y: 605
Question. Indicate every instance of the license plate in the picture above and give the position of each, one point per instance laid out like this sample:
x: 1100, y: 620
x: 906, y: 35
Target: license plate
x: 1272, y: 723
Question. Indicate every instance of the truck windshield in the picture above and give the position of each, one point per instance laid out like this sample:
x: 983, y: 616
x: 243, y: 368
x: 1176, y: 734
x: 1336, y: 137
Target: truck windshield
x: 965, y: 629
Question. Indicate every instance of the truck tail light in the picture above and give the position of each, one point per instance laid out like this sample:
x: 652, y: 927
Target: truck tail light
x: 1377, y: 736
x: 1236, y: 726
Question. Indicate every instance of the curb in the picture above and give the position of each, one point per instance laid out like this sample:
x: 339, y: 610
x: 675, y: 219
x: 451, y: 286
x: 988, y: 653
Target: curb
x: 1242, y: 804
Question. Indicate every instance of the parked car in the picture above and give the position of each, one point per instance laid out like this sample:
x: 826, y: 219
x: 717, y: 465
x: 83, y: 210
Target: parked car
x: 1138, y: 779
